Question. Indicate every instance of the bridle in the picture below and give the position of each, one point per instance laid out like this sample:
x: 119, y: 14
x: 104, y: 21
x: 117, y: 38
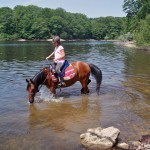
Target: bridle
x: 45, y: 77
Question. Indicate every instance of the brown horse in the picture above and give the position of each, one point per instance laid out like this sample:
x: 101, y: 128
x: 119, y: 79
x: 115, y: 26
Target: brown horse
x: 82, y: 74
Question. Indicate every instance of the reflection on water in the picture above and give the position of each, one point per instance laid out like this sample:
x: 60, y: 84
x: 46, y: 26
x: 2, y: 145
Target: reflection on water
x: 138, y: 84
x: 56, y: 123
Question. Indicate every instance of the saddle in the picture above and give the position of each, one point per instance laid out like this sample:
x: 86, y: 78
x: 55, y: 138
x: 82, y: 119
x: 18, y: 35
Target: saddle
x: 67, y: 72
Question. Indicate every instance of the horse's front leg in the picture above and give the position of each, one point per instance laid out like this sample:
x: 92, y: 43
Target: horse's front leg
x: 51, y: 86
x: 53, y: 90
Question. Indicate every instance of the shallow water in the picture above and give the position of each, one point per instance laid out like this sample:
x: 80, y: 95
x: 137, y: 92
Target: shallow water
x: 56, y: 123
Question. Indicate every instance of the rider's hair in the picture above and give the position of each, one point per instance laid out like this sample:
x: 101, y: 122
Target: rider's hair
x: 56, y: 39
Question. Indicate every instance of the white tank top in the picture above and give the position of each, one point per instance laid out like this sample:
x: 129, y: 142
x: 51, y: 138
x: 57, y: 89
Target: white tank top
x: 57, y: 53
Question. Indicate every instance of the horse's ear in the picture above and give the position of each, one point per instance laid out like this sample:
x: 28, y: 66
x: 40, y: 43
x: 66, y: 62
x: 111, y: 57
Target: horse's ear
x: 27, y: 80
x: 31, y: 81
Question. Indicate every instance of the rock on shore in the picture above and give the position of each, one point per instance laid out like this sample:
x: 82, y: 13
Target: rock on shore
x: 107, y: 139
x: 99, y: 138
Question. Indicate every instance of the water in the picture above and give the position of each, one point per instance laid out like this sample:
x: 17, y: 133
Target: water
x: 57, y: 122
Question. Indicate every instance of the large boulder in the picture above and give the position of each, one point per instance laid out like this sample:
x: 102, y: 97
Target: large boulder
x: 99, y: 138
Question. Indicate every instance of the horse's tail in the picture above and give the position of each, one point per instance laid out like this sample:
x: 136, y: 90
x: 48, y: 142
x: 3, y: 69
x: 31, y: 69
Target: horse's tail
x: 97, y: 73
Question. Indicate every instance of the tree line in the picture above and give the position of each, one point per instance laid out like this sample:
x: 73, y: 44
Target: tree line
x: 32, y: 22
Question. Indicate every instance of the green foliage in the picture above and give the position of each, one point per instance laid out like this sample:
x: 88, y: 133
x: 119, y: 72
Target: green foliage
x: 129, y: 36
x: 111, y: 27
x: 6, y: 21
x: 56, y: 25
x: 138, y: 19
x: 126, y: 37
x: 40, y: 29
x: 122, y: 38
x: 142, y: 33
x: 106, y: 38
x: 32, y: 22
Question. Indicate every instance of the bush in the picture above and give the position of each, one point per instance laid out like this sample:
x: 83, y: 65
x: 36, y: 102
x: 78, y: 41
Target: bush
x: 122, y: 38
x: 106, y: 38
x: 129, y: 36
x: 142, y: 34
x: 126, y: 37
x: 6, y: 37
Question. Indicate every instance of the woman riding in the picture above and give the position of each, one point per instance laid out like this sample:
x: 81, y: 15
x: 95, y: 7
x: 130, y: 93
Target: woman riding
x: 59, y: 57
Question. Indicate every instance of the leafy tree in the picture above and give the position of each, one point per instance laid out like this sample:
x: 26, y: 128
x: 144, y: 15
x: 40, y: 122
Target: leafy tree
x: 142, y: 33
x: 110, y: 27
x: 6, y: 22
x: 138, y: 19
x: 131, y: 7
x: 60, y: 12
x: 97, y: 30
x: 32, y: 22
x: 56, y: 25
x: 40, y: 29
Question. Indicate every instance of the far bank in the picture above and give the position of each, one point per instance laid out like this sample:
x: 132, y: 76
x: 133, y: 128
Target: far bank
x: 132, y: 44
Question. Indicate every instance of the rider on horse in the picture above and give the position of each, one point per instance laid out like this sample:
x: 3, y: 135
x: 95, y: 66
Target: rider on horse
x: 59, y: 58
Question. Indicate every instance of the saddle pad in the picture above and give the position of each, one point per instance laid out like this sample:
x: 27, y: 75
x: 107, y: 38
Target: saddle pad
x: 69, y: 74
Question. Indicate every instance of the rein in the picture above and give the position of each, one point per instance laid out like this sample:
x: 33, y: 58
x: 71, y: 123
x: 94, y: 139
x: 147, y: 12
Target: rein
x: 51, y: 67
x: 45, y: 77
x: 42, y: 83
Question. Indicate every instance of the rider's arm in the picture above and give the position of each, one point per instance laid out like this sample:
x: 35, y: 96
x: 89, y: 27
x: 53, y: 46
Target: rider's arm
x: 50, y: 55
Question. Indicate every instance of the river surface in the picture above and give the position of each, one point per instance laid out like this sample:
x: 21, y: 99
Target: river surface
x: 56, y: 123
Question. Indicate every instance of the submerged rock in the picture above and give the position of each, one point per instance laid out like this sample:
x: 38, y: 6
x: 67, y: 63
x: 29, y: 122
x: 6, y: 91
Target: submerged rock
x: 99, y: 138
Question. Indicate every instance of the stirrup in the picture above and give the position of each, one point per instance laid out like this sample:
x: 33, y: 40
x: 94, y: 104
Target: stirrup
x: 53, y: 70
x: 61, y: 84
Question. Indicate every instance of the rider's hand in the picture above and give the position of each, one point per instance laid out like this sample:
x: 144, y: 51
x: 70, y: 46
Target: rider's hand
x: 54, y: 60
x: 47, y: 58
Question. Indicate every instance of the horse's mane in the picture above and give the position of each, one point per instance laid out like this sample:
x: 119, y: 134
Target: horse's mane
x: 39, y: 77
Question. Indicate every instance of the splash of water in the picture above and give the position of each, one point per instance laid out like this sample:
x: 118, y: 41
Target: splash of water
x: 44, y: 95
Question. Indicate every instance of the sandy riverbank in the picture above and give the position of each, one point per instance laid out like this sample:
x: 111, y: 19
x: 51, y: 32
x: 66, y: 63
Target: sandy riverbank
x: 127, y: 44
x: 132, y: 44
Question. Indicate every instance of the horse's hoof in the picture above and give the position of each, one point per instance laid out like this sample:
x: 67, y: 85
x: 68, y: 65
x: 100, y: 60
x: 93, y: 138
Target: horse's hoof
x: 84, y: 92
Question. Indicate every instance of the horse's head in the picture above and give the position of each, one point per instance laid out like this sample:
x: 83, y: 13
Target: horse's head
x: 32, y: 89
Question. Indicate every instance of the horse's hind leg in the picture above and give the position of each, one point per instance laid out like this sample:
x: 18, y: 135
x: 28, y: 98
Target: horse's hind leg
x: 88, y: 82
x: 85, y: 88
